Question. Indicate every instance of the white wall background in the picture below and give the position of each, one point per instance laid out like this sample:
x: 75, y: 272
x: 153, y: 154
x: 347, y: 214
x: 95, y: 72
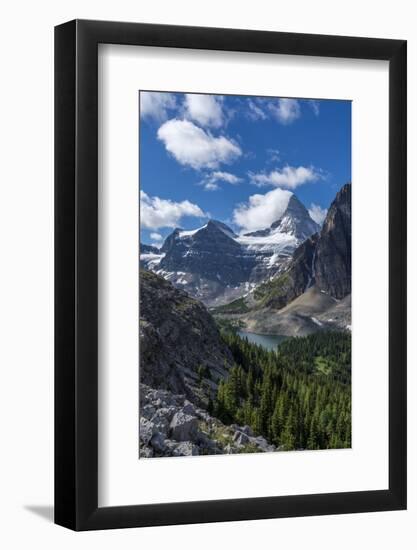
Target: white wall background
x: 26, y: 287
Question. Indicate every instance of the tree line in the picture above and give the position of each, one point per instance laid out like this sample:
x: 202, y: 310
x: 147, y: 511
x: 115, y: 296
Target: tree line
x: 298, y: 397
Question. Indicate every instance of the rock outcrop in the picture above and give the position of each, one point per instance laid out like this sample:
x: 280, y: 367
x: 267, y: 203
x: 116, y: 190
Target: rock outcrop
x: 170, y: 425
x: 180, y: 345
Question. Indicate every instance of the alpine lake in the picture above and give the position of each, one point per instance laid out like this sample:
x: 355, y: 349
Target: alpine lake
x: 267, y: 341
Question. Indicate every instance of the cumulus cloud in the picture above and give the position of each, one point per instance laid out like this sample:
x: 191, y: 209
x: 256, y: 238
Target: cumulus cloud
x: 156, y: 105
x: 193, y: 146
x: 285, y: 110
x: 204, y: 109
x: 289, y: 177
x: 317, y: 213
x: 211, y: 180
x: 156, y: 236
x: 261, y: 210
x: 156, y: 213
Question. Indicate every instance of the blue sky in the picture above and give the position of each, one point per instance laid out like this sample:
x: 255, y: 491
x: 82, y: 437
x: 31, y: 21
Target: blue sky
x: 237, y: 159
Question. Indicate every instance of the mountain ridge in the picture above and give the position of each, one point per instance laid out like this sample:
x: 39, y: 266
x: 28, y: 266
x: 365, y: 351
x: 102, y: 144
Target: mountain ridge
x: 216, y: 265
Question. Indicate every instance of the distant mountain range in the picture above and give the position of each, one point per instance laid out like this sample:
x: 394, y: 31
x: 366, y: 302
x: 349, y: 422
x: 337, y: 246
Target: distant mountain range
x: 215, y: 265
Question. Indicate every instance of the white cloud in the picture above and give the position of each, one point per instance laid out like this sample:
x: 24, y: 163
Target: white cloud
x: 289, y: 177
x: 255, y: 111
x: 210, y: 186
x: 156, y: 105
x: 210, y: 181
x: 156, y: 213
x: 261, y: 210
x: 156, y: 236
x: 226, y: 176
x: 204, y: 109
x: 193, y: 146
x: 315, y: 106
x: 317, y: 213
x: 285, y: 110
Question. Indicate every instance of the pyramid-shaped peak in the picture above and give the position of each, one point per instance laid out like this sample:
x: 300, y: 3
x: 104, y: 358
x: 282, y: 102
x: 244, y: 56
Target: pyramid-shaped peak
x: 294, y: 208
x: 296, y: 220
x: 222, y: 227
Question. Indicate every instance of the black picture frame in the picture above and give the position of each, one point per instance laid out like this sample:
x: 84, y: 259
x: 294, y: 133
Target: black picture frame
x: 76, y: 272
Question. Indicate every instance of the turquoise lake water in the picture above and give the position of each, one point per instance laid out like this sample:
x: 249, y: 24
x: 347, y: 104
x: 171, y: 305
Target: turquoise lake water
x: 268, y: 341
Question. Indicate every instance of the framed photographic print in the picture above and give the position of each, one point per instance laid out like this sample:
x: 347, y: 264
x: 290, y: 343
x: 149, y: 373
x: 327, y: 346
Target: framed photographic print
x: 230, y: 275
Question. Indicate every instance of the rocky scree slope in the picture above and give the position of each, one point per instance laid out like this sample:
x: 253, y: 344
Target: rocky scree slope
x: 170, y: 425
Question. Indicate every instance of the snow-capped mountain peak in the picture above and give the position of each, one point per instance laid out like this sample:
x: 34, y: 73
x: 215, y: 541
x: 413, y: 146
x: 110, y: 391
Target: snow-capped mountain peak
x: 295, y: 222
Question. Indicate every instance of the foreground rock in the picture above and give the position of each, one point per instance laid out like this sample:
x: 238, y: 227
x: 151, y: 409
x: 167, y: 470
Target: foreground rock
x: 172, y: 426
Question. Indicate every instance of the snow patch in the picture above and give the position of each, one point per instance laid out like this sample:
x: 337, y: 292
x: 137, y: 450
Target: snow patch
x: 183, y: 234
x: 151, y: 259
x: 276, y: 242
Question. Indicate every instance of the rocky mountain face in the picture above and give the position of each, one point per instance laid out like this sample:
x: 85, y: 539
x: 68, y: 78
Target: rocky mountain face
x: 333, y: 262
x: 148, y: 249
x: 298, y: 277
x: 211, y: 252
x: 180, y: 346
x: 215, y: 265
x: 323, y: 263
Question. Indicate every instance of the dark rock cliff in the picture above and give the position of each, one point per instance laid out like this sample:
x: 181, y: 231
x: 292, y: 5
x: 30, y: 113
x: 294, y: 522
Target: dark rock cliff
x: 333, y: 264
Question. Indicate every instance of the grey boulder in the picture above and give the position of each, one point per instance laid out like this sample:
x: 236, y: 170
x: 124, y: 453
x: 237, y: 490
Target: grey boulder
x: 240, y: 438
x: 157, y: 442
x: 146, y: 430
x: 185, y: 448
x: 183, y: 427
